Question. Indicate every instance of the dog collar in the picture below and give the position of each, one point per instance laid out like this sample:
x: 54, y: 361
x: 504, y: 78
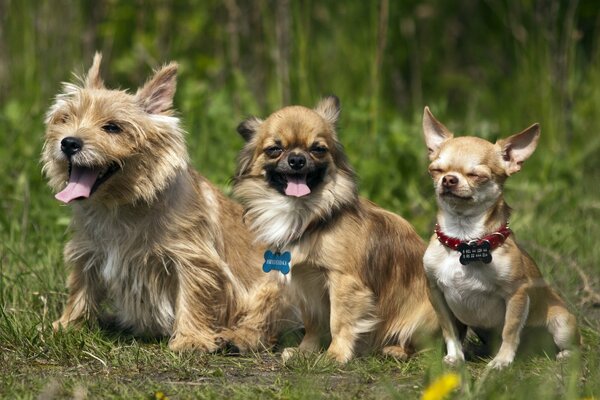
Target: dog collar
x: 476, y: 249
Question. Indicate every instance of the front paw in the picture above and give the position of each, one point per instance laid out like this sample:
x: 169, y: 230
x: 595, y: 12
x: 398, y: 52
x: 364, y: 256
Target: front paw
x: 57, y: 325
x: 454, y: 360
x: 499, y: 363
x: 61, y: 324
x: 342, y: 357
x: 397, y: 352
x: 289, y: 353
x: 243, y: 339
x: 563, y: 355
x: 186, y: 342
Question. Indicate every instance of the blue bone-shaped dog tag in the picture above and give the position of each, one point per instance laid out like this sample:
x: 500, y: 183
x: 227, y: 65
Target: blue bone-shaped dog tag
x: 475, y: 252
x: 277, y: 261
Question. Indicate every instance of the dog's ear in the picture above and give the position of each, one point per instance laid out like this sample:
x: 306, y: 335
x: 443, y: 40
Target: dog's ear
x: 245, y: 159
x: 518, y: 148
x: 329, y: 108
x: 248, y: 127
x: 156, y: 96
x: 93, y: 79
x: 435, y: 133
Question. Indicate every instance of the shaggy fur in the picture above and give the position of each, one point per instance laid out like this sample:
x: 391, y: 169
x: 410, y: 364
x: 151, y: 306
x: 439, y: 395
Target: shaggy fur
x: 509, y: 293
x: 155, y: 240
x: 357, y: 271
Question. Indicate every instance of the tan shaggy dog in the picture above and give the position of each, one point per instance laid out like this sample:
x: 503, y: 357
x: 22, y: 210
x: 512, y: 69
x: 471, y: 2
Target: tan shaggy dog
x: 480, y: 277
x: 356, y: 269
x: 151, y: 237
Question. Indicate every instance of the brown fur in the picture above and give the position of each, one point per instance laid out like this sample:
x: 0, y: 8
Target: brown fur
x: 509, y: 293
x: 356, y: 269
x: 156, y: 240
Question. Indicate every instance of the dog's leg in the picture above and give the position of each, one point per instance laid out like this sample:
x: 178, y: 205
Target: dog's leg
x: 203, y: 302
x: 448, y: 323
x: 562, y: 325
x: 313, y: 330
x: 352, y: 313
x: 257, y: 328
x: 85, y: 294
x: 517, y: 310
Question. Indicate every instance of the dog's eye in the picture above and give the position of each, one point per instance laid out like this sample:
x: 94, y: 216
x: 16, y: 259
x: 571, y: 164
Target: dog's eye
x: 62, y: 118
x: 435, y: 171
x: 318, y: 150
x: 273, y: 151
x: 473, y: 175
x: 111, y: 127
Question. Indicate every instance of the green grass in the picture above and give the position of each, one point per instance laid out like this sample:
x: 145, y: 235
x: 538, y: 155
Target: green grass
x: 493, y: 86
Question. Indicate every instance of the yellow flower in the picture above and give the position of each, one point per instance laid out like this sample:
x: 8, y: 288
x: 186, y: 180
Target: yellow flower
x: 441, y: 387
x: 160, y: 396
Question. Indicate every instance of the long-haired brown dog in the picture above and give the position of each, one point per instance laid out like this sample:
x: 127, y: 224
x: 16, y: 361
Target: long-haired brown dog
x: 357, y: 269
x: 152, y: 237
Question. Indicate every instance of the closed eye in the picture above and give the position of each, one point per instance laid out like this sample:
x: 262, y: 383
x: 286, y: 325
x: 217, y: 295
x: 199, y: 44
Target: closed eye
x: 111, y: 127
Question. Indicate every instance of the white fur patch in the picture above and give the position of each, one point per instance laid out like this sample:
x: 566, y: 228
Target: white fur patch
x: 170, y: 123
x: 136, y: 287
x: 277, y: 219
x: 471, y: 290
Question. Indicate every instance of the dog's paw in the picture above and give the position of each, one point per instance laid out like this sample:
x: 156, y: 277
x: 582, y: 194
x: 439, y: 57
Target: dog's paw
x: 454, y: 360
x: 289, y: 353
x: 499, y: 363
x: 60, y: 325
x: 185, y: 342
x: 397, y: 352
x: 341, y: 357
x: 564, y: 355
x: 57, y: 325
x: 243, y: 339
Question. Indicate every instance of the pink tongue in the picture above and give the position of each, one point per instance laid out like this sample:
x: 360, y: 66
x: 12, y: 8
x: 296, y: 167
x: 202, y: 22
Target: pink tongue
x: 80, y: 184
x: 296, y: 186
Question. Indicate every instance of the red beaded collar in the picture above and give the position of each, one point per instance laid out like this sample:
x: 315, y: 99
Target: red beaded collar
x: 495, y: 239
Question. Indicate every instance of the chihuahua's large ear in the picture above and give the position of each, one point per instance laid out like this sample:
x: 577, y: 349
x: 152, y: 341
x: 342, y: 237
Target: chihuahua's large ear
x: 518, y: 148
x: 435, y: 133
x: 248, y: 127
x: 92, y: 79
x: 156, y: 96
x: 329, y: 108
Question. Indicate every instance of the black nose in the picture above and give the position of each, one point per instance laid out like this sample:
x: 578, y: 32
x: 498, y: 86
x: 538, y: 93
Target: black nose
x: 449, y: 181
x: 71, y: 145
x: 296, y: 161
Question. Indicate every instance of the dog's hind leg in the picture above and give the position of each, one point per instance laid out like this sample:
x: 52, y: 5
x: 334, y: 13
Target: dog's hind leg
x: 562, y: 325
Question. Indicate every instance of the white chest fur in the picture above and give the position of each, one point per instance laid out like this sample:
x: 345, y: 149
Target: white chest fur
x: 137, y: 282
x: 137, y: 287
x: 471, y: 291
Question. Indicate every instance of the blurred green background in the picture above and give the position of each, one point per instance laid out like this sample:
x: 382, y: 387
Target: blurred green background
x: 489, y: 68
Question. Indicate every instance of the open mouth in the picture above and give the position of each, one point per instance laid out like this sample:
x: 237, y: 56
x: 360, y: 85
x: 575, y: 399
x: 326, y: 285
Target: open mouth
x: 83, y: 181
x: 296, y: 185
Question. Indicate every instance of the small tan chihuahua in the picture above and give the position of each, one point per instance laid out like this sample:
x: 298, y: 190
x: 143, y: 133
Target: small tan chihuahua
x: 479, y: 277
